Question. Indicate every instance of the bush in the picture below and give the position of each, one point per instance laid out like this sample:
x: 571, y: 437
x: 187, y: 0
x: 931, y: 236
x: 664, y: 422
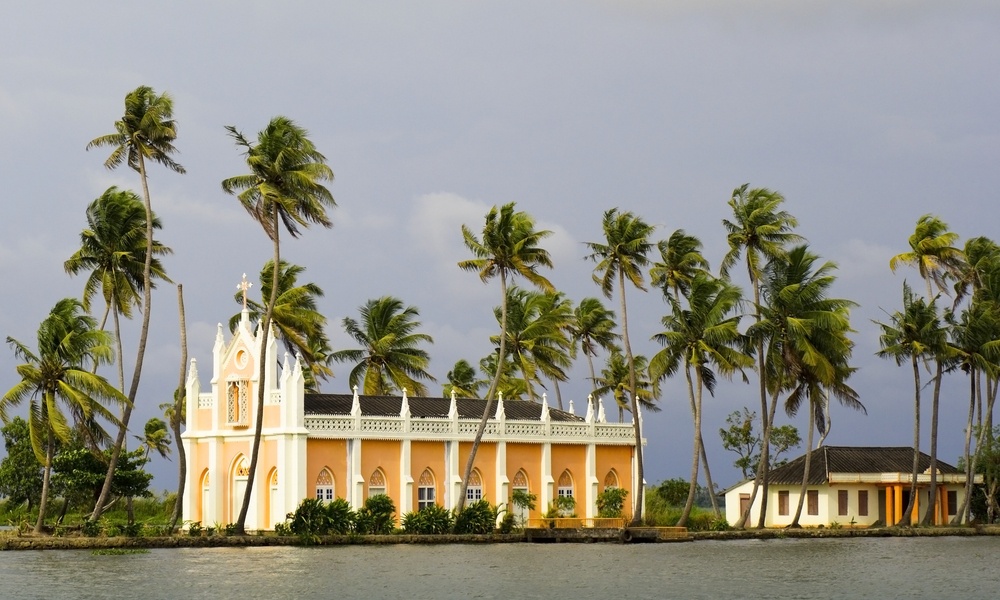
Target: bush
x: 90, y: 528
x: 430, y: 520
x: 611, y: 502
x: 313, y: 517
x: 377, y: 516
x: 478, y: 517
x: 194, y: 528
x: 508, y: 523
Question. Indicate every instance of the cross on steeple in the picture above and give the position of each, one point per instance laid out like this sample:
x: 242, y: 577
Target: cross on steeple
x: 244, y: 286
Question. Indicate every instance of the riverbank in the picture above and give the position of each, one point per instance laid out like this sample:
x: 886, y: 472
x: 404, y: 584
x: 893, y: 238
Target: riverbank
x: 44, y: 542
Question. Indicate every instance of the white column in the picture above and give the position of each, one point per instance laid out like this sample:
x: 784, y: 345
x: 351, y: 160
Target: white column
x: 547, y: 493
x: 592, y: 481
x: 454, y: 476
x: 503, y: 484
x: 405, y: 478
x: 356, y: 485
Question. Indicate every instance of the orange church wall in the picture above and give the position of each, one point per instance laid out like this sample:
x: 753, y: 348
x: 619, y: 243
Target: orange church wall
x: 382, y: 454
x: 204, y: 419
x: 574, y: 458
x: 618, y: 458
x: 486, y: 460
x: 529, y: 458
x: 331, y: 454
x: 427, y: 455
x: 272, y: 415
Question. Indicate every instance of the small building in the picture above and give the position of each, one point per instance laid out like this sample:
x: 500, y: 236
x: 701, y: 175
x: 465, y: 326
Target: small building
x: 851, y: 486
x: 354, y: 446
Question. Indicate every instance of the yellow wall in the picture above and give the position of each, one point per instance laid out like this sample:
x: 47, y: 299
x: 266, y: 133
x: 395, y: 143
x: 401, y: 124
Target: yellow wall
x: 382, y: 454
x: 427, y: 455
x: 529, y: 458
x: 618, y: 458
x: 331, y: 454
x: 486, y: 461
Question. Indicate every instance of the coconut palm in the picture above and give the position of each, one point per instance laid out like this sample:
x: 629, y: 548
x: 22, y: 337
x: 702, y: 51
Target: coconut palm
x: 932, y: 253
x: 760, y: 232
x: 913, y: 335
x: 113, y: 251
x: 593, y: 328
x: 54, y: 376
x: 680, y: 260
x: 463, y: 381
x: 145, y: 132
x: 390, y: 358
x: 509, y: 248
x: 537, y: 341
x: 298, y: 323
x: 285, y: 188
x: 155, y: 438
x: 702, y: 339
x: 623, y: 255
x: 615, y: 380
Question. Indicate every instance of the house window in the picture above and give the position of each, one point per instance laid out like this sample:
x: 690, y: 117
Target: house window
x: 325, y: 486
x: 565, y: 485
x: 520, y: 484
x: 425, y: 490
x: 376, y: 484
x: 812, y: 499
x: 611, y: 480
x: 862, y: 503
x: 474, y: 491
x: 238, y: 402
x: 783, y: 503
x: 952, y: 503
x: 842, y: 502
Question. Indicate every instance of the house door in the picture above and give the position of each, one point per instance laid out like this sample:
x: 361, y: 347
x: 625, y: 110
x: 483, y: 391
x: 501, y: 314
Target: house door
x: 239, y: 490
x: 744, y: 503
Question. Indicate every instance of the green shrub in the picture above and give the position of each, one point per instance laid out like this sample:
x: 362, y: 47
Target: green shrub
x: 340, y: 516
x: 611, y: 502
x: 282, y: 529
x: 508, y: 523
x: 310, y: 518
x: 194, y: 528
x: 90, y: 528
x: 720, y: 524
x: 377, y: 516
x: 131, y: 529
x: 433, y: 519
x: 478, y: 517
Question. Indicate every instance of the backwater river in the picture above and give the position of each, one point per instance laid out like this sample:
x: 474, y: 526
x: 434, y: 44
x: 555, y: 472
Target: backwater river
x: 913, y: 568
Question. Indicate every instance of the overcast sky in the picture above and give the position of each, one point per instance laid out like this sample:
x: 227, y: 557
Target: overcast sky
x: 864, y: 114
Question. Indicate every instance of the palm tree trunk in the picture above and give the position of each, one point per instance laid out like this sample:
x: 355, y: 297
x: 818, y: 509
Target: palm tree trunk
x: 805, y: 471
x: 967, y: 458
x: 905, y: 517
x: 489, y: 396
x: 261, y: 384
x: 932, y: 507
x: 765, y: 444
x: 179, y: 415
x: 120, y: 350
x: 695, y: 454
x: 555, y: 384
x: 593, y: 376
x: 634, y: 399
x: 46, y: 476
x: 140, y: 352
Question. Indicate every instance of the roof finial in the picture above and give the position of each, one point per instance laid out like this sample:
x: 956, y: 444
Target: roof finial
x: 244, y: 286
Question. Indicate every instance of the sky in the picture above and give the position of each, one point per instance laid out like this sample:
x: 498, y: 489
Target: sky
x: 865, y: 115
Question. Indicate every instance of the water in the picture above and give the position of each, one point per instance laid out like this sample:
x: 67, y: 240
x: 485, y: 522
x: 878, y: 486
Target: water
x: 912, y: 568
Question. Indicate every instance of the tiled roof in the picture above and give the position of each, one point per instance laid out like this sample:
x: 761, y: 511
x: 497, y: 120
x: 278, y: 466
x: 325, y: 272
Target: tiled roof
x: 852, y: 459
x: 420, y: 407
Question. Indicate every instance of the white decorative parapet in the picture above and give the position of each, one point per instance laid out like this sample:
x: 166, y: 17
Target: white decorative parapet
x: 274, y: 397
x: 206, y: 400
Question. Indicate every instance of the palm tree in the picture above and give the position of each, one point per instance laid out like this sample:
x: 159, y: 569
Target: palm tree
x: 537, y: 342
x: 145, y: 132
x: 615, y: 380
x: 623, y: 255
x: 680, y: 260
x: 932, y: 252
x: 593, y: 328
x: 155, y: 438
x: 509, y: 248
x: 913, y: 335
x: 760, y: 231
x: 284, y: 188
x: 299, y: 324
x: 462, y: 381
x: 175, y: 412
x: 113, y: 251
x: 54, y: 376
x: 390, y: 358
x: 697, y: 339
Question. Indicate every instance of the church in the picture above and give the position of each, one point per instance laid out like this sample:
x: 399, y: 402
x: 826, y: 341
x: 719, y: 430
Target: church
x: 354, y: 446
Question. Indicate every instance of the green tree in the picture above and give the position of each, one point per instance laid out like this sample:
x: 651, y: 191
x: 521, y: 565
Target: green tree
x: 20, y: 471
x: 285, y: 188
x: 54, y: 376
x: 145, y: 132
x: 298, y: 322
x: 508, y: 248
x: 390, y: 358
x: 913, y: 335
x: 463, y: 381
x: 932, y: 253
x: 155, y: 438
x: 615, y: 379
x: 760, y: 232
x: 741, y: 437
x: 623, y: 256
x: 680, y: 260
x: 593, y: 328
x: 701, y: 339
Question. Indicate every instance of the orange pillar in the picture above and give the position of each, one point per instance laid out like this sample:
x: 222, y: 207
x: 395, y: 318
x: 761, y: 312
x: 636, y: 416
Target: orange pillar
x: 888, y: 506
x: 898, y: 497
x: 915, y: 515
x: 943, y: 504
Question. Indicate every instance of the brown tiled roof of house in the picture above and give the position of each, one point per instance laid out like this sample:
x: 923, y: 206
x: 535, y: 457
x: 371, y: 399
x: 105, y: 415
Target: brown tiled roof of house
x: 422, y: 407
x: 852, y: 459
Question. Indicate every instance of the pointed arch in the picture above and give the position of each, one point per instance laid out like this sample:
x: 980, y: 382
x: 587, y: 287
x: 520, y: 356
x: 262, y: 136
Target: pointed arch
x: 519, y: 485
x: 273, y: 509
x: 520, y: 480
x: 377, y: 483
x: 426, y: 490
x: 565, y: 484
x: 474, y: 491
x: 205, y: 512
x: 326, y: 486
x: 239, y: 474
x: 611, y: 480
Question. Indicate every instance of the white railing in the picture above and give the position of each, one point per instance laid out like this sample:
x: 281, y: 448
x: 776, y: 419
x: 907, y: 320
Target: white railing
x: 206, y: 400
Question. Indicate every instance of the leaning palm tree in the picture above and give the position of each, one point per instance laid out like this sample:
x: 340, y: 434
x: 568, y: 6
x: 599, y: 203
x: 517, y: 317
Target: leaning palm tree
x: 593, y: 328
x: 615, y: 380
x: 285, y: 188
x: 913, y: 335
x: 932, y: 252
x: 463, y: 381
x: 298, y: 323
x: 623, y: 255
x: 760, y: 232
x: 508, y: 248
x: 701, y: 339
x: 390, y: 358
x: 146, y: 132
x: 155, y: 438
x: 113, y: 251
x: 54, y: 377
